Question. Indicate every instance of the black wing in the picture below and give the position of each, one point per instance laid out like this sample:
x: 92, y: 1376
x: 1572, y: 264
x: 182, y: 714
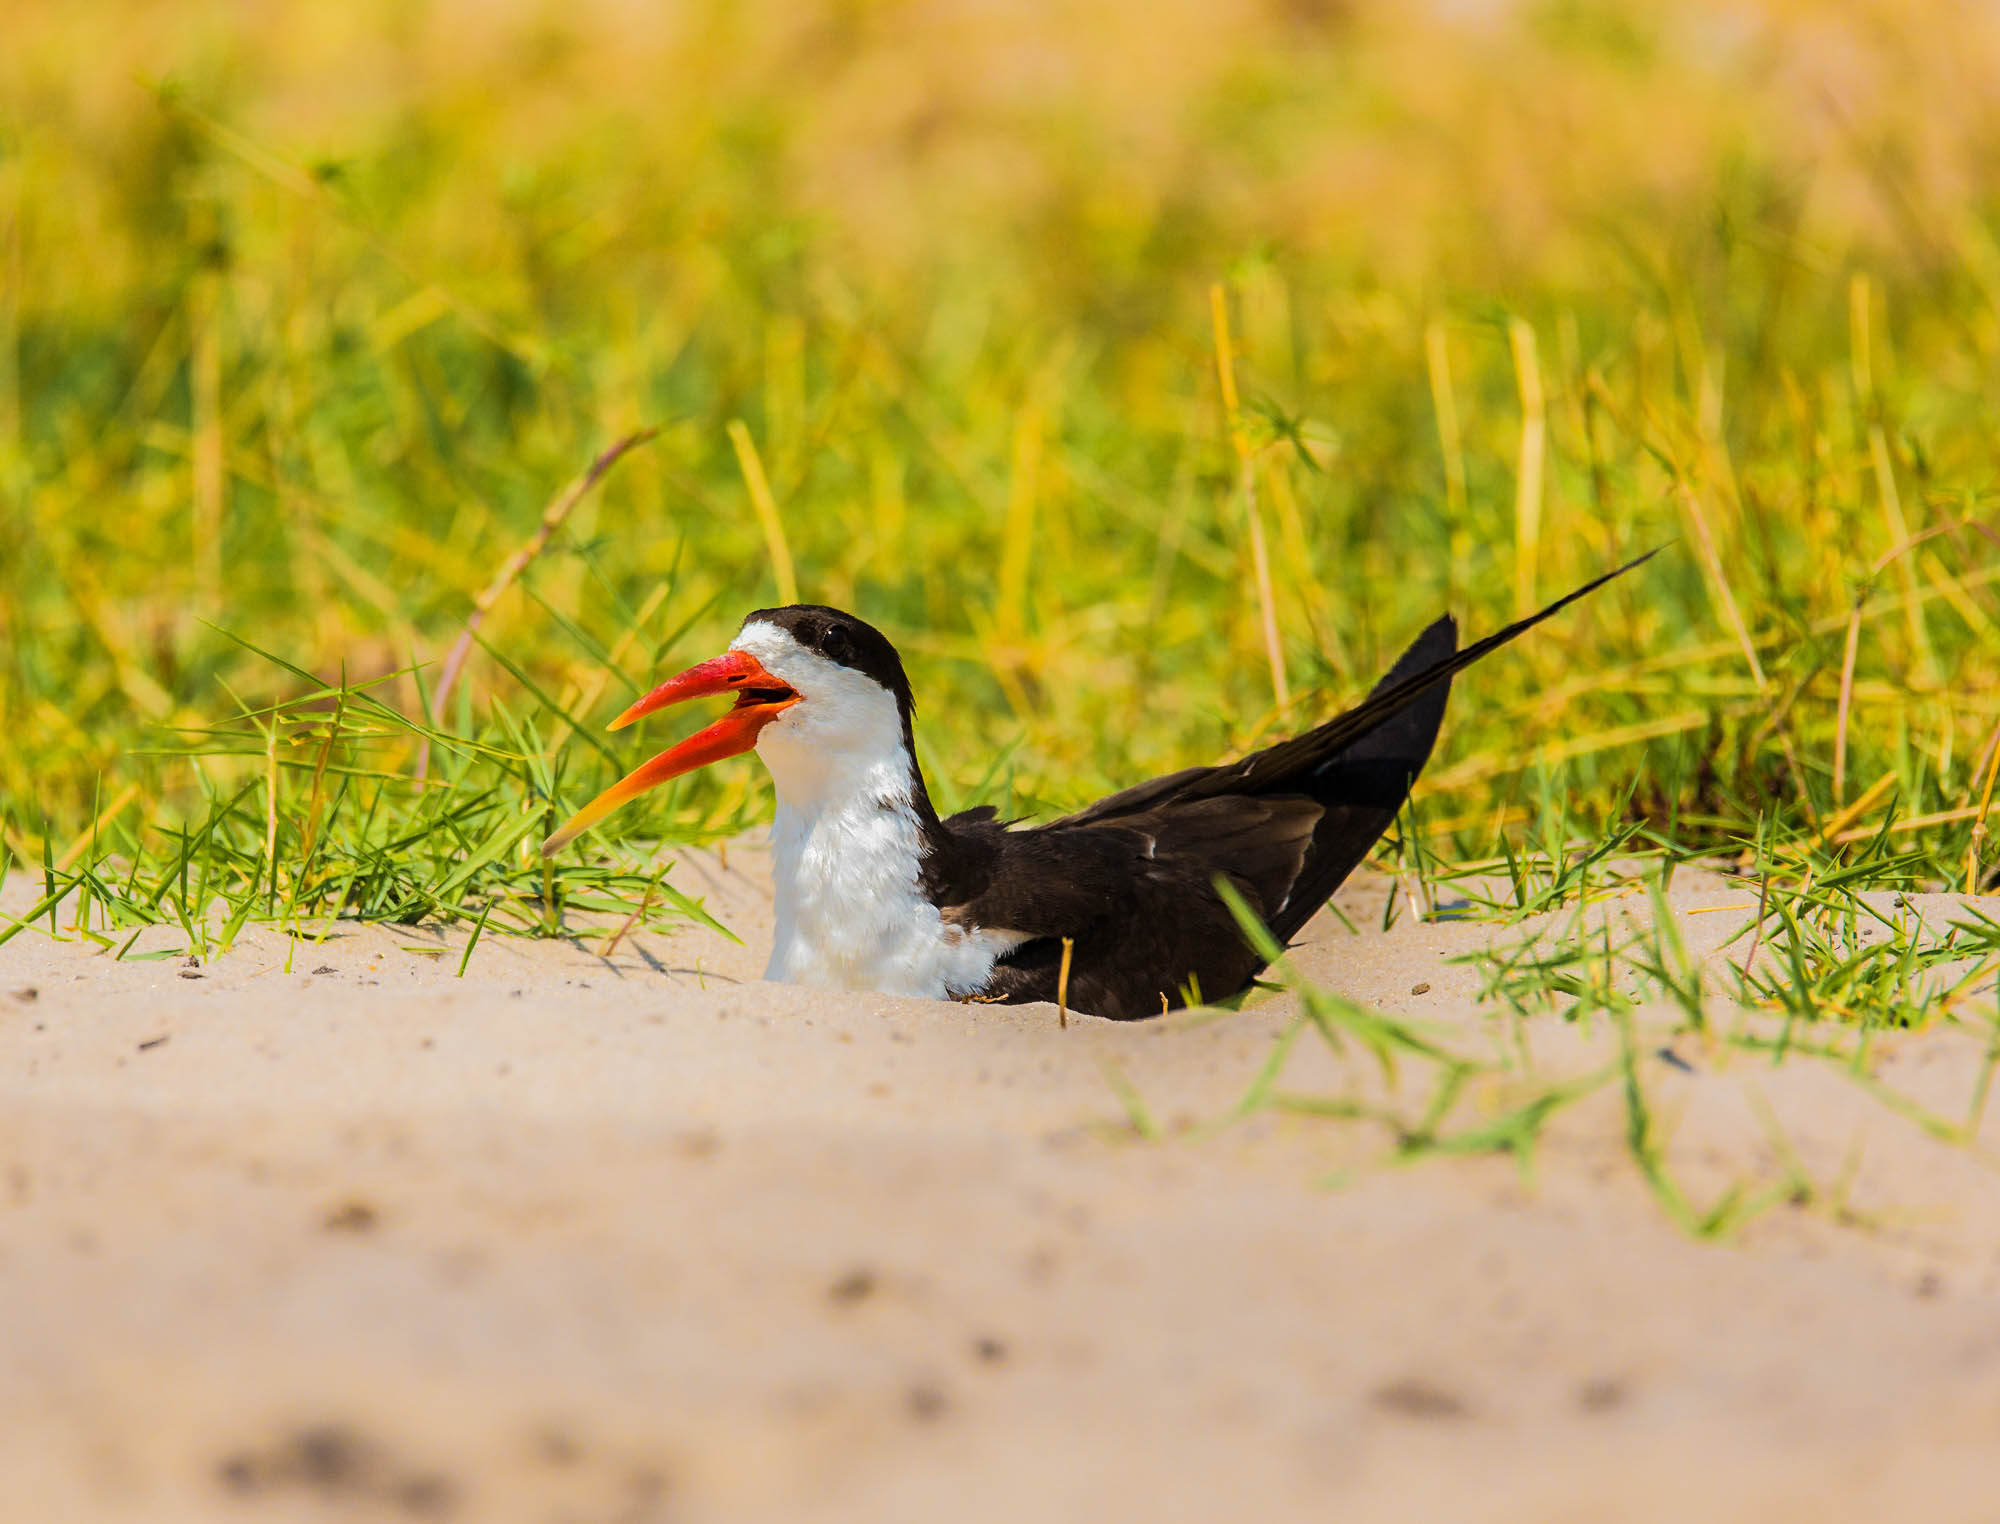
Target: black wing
x: 1129, y: 880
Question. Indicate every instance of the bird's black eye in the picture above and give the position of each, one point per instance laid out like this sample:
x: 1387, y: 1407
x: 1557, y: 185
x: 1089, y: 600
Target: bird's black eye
x: 835, y: 642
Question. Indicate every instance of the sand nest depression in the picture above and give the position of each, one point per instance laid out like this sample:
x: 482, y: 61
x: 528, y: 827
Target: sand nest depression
x: 325, y: 1228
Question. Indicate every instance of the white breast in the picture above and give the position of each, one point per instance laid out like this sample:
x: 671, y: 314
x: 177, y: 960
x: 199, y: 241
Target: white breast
x: 852, y: 914
x: 846, y: 849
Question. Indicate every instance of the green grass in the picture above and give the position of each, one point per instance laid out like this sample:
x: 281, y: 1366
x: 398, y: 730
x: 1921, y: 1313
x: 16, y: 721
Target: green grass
x: 305, y: 327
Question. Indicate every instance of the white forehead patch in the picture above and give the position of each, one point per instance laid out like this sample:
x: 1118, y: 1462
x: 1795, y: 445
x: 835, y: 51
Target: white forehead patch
x: 781, y: 655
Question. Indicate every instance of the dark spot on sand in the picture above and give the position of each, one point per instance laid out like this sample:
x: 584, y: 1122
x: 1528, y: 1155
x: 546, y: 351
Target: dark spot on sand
x: 1420, y: 989
x: 1929, y: 1285
x: 427, y: 1494
x: 326, y: 968
x: 328, y: 1457
x: 154, y: 1042
x: 702, y: 1143
x: 27, y: 994
x: 989, y: 1351
x: 191, y: 973
x: 555, y: 1446
x: 1601, y: 1394
x: 1414, y: 1398
x: 857, y: 1285
x: 645, y: 1488
x: 337, y: 1464
x: 352, y: 1217
x: 239, y: 1473
x: 926, y: 1403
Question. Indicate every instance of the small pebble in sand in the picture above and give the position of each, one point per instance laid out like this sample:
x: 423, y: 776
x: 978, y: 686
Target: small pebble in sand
x: 426, y: 1495
x: 699, y: 1144
x: 1420, y: 989
x: 1416, y: 1398
x: 556, y: 1446
x: 351, y: 1217
x: 190, y: 973
x: 326, y: 968
x: 855, y: 1286
x: 27, y: 994
x: 1601, y: 1395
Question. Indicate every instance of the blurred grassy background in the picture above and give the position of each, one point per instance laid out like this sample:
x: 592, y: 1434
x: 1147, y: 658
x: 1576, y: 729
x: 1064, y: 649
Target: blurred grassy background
x: 308, y: 311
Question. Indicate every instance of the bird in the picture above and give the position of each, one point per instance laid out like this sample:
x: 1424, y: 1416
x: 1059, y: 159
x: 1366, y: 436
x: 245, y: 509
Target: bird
x: 1114, y: 910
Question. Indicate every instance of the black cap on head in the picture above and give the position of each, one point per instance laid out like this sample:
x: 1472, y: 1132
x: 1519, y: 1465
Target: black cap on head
x: 841, y: 637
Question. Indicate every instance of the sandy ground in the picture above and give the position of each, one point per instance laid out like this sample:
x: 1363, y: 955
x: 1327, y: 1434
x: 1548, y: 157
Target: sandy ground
x: 576, y: 1238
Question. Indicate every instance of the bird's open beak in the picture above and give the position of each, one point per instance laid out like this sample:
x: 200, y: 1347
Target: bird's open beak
x: 759, y: 698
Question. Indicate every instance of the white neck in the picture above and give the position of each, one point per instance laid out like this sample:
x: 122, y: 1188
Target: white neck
x: 846, y: 846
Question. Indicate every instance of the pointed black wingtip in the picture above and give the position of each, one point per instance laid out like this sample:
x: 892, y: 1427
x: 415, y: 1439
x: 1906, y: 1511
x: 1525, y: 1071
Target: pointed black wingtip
x: 1641, y: 560
x: 1527, y: 622
x: 1448, y: 625
x: 1436, y: 642
x: 1403, y: 686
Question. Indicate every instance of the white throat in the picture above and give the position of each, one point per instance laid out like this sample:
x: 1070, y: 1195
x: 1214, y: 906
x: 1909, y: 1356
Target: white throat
x: 847, y: 850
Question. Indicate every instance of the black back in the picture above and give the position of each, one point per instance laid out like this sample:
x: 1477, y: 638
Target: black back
x: 1130, y: 880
